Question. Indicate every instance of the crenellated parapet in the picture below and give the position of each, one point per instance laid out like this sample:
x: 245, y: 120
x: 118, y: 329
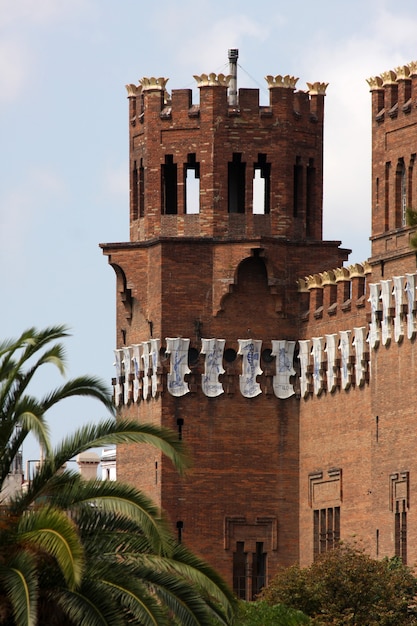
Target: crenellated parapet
x: 151, y: 86
x: 334, y: 292
x: 393, y: 92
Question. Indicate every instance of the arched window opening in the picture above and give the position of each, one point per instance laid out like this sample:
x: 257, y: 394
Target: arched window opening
x: 236, y: 184
x: 192, y: 186
x: 141, y: 189
x: 169, y: 186
x: 261, y: 186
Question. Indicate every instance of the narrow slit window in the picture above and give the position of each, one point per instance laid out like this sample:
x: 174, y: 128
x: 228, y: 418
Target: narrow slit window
x: 239, y: 570
x: 310, y: 199
x: 298, y: 188
x: 141, y: 189
x: 192, y: 186
x: 134, y: 191
x: 261, y: 186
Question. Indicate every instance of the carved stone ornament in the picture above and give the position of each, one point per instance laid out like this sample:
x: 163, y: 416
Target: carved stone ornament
x: 133, y: 90
x: 410, y: 290
x: 212, y: 80
x: 359, y: 342
x: 317, y: 354
x: 375, y: 83
x: 153, y: 84
x: 374, y: 329
x: 154, y: 357
x: 317, y: 89
x: 136, y: 361
x: 345, y: 354
x: 386, y: 298
x: 287, y: 82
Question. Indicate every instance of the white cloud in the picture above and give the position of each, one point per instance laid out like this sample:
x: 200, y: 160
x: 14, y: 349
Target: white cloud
x: 23, y: 20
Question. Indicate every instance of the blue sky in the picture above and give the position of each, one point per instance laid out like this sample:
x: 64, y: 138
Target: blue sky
x: 64, y: 135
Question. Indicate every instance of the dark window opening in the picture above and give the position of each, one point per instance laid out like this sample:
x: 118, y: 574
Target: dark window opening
x: 134, y: 191
x: 169, y: 186
x: 401, y: 530
x: 180, y: 424
x: 310, y: 198
x: 180, y: 526
x: 239, y: 570
x: 192, y: 185
x: 326, y: 532
x: 141, y: 189
x: 230, y: 355
x: 236, y: 184
x: 386, y: 199
x: 400, y: 194
x: 258, y: 569
x: 261, y: 186
x: 298, y: 188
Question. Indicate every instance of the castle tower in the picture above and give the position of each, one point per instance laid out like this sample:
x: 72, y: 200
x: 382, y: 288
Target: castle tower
x: 394, y: 140
x: 225, y: 215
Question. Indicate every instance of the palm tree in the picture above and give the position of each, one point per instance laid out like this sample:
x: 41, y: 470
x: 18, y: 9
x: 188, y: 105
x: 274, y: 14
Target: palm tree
x: 78, y: 552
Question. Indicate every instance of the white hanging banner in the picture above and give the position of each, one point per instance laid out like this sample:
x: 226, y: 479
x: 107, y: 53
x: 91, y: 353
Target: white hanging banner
x: 213, y: 349
x: 250, y: 350
x: 410, y: 289
x: 399, y: 300
x: 373, y: 337
x: 136, y: 371
x: 386, y: 297
x: 118, y: 388
x: 283, y: 351
x: 146, y: 365
x: 345, y: 351
x: 177, y: 348
x: 127, y: 363
x: 317, y: 352
x: 155, y: 361
x: 332, y: 369
x: 359, y: 341
x: 304, y: 356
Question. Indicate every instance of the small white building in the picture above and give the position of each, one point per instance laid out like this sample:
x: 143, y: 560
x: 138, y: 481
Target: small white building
x: 108, y: 464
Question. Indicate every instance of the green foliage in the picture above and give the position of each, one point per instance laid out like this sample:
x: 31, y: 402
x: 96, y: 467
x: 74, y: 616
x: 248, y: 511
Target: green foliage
x: 262, y: 614
x: 411, y: 216
x: 88, y: 553
x: 347, y: 587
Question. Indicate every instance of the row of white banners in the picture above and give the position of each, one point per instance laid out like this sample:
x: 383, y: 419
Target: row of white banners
x: 328, y: 362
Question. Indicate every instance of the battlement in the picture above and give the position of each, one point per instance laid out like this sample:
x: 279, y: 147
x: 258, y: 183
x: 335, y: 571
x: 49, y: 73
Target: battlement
x: 150, y: 100
x: 334, y: 293
x: 226, y: 166
x: 394, y: 93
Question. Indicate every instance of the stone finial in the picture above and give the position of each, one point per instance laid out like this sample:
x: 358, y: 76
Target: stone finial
x: 288, y: 82
x: 375, y: 83
x: 153, y: 84
x: 302, y: 285
x: 403, y: 72
x: 341, y: 274
x: 212, y: 80
x: 412, y: 66
x: 367, y: 269
x: 133, y: 90
x: 314, y: 281
x: 356, y: 270
x: 328, y: 278
x: 389, y: 78
x: 317, y: 89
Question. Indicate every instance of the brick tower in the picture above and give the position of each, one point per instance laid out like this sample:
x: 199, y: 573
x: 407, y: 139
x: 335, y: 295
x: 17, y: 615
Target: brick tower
x: 225, y: 215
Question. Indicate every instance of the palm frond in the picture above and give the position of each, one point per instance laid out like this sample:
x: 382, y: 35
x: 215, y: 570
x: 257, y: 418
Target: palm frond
x: 110, y: 432
x: 18, y: 578
x: 53, y: 533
